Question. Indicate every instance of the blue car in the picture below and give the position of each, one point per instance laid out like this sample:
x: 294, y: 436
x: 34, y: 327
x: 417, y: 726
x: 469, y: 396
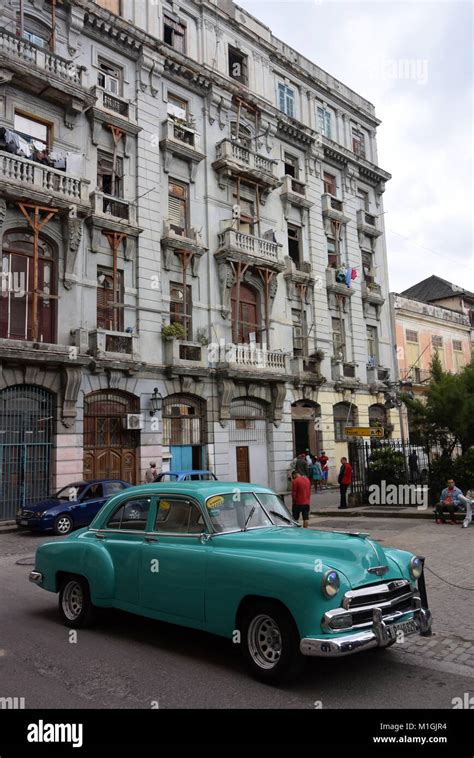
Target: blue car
x: 72, y: 507
x: 192, y: 475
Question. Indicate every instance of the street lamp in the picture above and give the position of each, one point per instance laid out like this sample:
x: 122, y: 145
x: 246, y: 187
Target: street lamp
x: 156, y: 402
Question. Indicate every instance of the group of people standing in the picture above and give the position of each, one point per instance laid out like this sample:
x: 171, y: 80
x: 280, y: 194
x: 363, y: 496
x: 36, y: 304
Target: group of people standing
x: 307, y: 468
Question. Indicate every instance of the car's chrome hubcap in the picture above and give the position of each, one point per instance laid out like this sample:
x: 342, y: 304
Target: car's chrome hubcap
x: 73, y: 600
x: 264, y: 641
x: 63, y: 525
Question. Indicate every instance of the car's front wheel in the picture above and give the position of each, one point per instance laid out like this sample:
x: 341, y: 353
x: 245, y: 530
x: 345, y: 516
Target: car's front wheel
x: 63, y: 524
x: 75, y: 605
x: 270, y: 642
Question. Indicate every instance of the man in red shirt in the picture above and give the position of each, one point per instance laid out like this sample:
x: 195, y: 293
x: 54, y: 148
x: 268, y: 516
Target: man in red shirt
x: 301, y: 496
x: 345, y: 480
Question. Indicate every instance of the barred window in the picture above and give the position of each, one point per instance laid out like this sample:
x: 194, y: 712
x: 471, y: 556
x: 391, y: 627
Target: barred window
x: 457, y: 345
x: 411, y: 336
x: 436, y: 341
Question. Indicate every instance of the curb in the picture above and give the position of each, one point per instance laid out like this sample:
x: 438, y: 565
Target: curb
x: 7, y: 527
x: 427, y: 515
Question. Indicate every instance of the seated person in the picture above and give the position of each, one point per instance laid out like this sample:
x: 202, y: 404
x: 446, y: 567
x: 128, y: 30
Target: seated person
x: 449, y: 501
x: 468, y: 501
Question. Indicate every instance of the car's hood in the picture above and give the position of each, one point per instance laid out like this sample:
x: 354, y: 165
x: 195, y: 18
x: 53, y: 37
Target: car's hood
x: 44, y: 505
x: 352, y: 555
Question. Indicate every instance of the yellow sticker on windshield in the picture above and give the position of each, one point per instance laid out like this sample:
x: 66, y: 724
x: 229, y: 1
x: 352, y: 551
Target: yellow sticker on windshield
x: 215, y: 502
x: 164, y: 505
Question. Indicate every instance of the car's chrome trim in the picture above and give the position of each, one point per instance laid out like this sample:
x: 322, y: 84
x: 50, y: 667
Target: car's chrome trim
x: 386, y: 604
x: 36, y: 577
x: 377, y: 636
x: 373, y: 589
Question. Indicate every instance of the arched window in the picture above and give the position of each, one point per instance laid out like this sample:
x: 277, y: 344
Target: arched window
x: 17, y: 286
x: 183, y: 418
x: 245, y: 314
x: 345, y: 414
x: 377, y: 415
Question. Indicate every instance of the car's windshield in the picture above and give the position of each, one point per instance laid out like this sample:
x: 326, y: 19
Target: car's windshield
x: 275, y: 506
x: 71, y: 492
x: 233, y: 511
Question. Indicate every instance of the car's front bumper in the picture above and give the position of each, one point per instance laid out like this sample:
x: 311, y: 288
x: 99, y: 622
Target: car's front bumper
x: 36, y: 577
x: 377, y: 636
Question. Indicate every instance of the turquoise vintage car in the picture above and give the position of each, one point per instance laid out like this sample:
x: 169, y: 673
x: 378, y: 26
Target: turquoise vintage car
x: 228, y: 558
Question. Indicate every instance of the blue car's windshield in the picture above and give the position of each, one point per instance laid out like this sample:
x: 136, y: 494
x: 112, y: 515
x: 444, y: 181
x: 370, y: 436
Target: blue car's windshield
x: 238, y: 510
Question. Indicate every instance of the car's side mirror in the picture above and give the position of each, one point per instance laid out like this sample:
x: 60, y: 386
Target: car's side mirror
x: 205, y: 537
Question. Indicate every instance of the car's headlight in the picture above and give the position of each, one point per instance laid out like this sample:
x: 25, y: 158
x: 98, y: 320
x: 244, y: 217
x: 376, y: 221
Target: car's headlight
x: 416, y: 567
x: 330, y: 583
x: 40, y: 515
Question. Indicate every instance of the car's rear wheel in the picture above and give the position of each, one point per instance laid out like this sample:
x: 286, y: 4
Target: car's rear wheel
x: 75, y: 605
x: 270, y: 642
x: 63, y: 524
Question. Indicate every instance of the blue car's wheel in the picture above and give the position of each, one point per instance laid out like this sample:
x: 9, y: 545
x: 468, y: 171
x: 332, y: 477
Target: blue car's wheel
x: 75, y: 604
x: 270, y: 641
x: 63, y: 524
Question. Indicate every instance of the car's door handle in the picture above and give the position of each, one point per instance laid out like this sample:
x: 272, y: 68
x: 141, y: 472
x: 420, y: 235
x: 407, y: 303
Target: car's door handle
x: 151, y: 539
x: 100, y: 536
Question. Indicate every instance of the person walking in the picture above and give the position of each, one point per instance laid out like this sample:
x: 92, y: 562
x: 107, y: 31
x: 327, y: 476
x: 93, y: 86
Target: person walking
x: 323, y: 459
x: 448, y: 502
x: 345, y: 480
x: 301, y: 466
x: 316, y: 473
x: 300, y: 496
x: 151, y: 473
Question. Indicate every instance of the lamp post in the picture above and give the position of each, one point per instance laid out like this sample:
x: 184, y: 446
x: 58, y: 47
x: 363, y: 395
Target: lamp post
x: 156, y: 402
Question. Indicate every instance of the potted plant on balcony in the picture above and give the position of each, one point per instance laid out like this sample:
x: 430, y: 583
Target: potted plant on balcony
x: 172, y: 331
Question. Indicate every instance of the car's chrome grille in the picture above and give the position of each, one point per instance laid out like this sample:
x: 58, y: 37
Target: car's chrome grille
x: 393, y: 598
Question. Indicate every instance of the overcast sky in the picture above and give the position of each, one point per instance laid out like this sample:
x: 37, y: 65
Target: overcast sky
x: 413, y: 61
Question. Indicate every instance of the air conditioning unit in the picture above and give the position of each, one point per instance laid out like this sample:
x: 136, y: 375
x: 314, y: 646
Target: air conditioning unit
x: 134, y: 421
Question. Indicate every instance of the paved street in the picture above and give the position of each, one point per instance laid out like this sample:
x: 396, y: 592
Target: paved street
x: 130, y: 662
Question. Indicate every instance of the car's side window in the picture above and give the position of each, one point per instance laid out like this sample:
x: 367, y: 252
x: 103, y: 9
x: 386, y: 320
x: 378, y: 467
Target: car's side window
x: 178, y: 516
x: 131, y: 514
x: 114, y: 487
x: 95, y: 491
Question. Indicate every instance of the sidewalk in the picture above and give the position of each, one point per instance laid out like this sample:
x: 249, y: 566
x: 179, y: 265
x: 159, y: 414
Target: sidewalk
x: 326, y: 503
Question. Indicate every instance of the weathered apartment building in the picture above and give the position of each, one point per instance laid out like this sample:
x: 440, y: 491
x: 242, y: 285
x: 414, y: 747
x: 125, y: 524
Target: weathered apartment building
x: 193, y: 258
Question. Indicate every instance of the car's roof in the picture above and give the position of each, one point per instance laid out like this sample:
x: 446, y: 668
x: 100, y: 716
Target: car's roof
x: 93, y: 481
x: 188, y: 471
x: 202, y: 489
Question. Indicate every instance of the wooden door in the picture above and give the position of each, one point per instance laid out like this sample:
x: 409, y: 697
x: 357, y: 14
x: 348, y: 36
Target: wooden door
x: 243, y: 464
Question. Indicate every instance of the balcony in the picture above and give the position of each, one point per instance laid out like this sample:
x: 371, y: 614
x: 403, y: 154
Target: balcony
x: 184, y: 354
x: 307, y: 369
x: 180, y: 139
x: 333, y: 208
x: 249, y: 249
x: 293, y: 192
x: 344, y: 375
x: 233, y: 159
x: 173, y: 243
x: 377, y: 376
x: 43, y: 73
x: 115, y: 208
x: 367, y: 224
x: 20, y: 177
x: 114, y: 345
x: 337, y: 288
x: 416, y: 375
x: 253, y: 357
x: 114, y: 105
x: 372, y: 293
